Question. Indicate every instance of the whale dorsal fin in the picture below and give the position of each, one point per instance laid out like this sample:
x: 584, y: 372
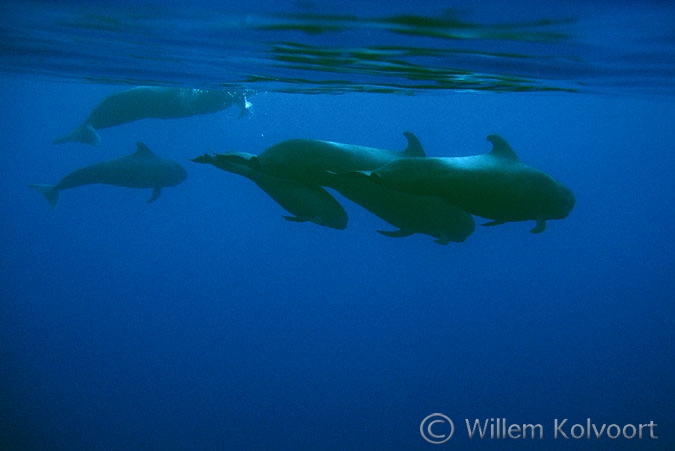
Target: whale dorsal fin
x: 143, y: 151
x: 414, y: 148
x: 501, y: 149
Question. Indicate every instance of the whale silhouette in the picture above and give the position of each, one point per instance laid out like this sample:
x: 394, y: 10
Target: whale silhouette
x: 496, y: 185
x: 410, y: 213
x: 311, y: 164
x: 141, y: 169
x: 311, y: 160
x: 304, y: 202
x: 152, y: 102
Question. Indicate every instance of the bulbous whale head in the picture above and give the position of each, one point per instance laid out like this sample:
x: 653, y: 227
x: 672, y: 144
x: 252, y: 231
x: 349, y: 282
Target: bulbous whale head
x: 561, y: 203
x: 177, y: 175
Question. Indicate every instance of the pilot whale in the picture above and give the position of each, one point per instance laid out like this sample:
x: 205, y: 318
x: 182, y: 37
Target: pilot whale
x: 315, y: 163
x: 410, y: 213
x: 152, y: 102
x: 496, y: 185
x: 141, y: 169
x: 305, y: 202
x: 310, y: 160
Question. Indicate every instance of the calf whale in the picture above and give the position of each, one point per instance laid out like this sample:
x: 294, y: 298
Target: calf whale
x: 305, y: 202
x: 496, y: 185
x: 141, y: 169
x: 410, y: 213
x: 152, y: 102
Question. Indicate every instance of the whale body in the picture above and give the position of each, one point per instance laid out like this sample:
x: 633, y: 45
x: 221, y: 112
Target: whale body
x: 141, y: 169
x: 496, y: 185
x: 152, y: 102
x: 309, y: 160
x: 304, y: 166
x: 304, y: 202
x: 410, y: 213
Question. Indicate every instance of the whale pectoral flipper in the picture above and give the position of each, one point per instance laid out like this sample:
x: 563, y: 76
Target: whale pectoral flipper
x: 316, y: 220
x: 493, y: 223
x: 295, y: 219
x: 396, y: 233
x: 540, y: 227
x: 155, y: 195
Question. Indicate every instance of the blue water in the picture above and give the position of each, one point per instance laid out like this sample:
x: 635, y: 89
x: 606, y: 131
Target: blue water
x: 206, y: 321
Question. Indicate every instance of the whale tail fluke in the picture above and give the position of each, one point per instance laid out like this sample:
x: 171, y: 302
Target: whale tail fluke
x: 49, y: 191
x: 84, y: 134
x: 204, y: 159
x: 235, y: 158
x: 231, y: 162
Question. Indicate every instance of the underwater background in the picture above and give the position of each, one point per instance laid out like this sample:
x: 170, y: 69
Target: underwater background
x: 206, y: 321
